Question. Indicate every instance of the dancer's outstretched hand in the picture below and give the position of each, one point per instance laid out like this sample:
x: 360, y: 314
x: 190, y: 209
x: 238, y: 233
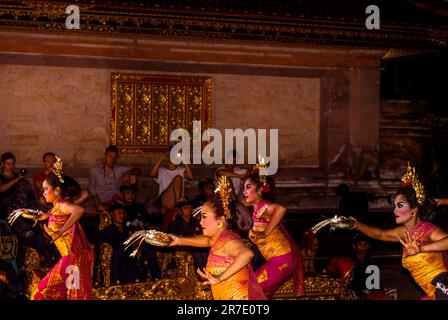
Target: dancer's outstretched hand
x: 354, y: 223
x: 174, y: 240
x: 211, y: 279
x: 410, y: 244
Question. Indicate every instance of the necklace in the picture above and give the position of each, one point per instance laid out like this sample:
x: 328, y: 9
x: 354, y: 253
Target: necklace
x: 57, y: 205
x: 261, y: 207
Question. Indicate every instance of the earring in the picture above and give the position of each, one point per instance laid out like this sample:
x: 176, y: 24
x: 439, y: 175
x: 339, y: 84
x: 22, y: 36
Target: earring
x: 219, y: 225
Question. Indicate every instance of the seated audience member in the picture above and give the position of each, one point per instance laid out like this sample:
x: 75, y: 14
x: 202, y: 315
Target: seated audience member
x: 137, y: 216
x: 106, y: 179
x: 16, y: 192
x: 206, y: 189
x: 125, y: 269
x: 359, y: 262
x: 49, y: 158
x: 170, y: 178
x: 185, y: 225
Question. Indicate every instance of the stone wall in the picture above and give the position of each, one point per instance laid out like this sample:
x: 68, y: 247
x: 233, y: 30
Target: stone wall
x: 55, y: 95
x: 67, y: 110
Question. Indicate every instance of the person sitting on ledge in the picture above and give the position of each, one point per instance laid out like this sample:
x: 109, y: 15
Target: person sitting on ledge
x: 107, y: 177
x: 171, y: 178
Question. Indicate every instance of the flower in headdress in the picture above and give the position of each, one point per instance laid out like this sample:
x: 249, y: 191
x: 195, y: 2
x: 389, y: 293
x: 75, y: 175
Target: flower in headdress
x: 266, y: 188
x: 406, y: 184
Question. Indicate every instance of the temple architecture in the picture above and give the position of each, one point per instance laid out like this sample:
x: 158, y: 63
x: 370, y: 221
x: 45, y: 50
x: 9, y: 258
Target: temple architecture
x: 340, y: 94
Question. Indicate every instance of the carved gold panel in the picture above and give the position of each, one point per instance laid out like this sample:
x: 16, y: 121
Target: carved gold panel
x: 147, y: 108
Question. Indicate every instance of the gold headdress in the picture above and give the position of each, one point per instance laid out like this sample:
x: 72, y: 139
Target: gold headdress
x: 258, y: 169
x: 224, y: 190
x: 410, y: 178
x: 57, y: 169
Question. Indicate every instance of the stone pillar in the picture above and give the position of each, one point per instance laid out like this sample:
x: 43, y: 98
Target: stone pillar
x: 364, y: 115
x: 364, y: 106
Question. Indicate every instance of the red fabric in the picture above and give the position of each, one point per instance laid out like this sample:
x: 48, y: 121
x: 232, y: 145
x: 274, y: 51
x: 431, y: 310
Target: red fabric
x: 298, y: 272
x: 406, y: 184
x: 39, y: 179
x: 341, y: 266
x: 169, y: 217
x: 377, y: 295
x: 54, y: 286
x: 115, y: 197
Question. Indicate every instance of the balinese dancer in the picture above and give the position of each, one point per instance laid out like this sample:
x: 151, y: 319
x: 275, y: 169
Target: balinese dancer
x: 282, y: 255
x: 71, y: 277
x: 228, y: 268
x: 415, y: 232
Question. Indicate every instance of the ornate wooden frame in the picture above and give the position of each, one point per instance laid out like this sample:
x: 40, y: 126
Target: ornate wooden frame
x: 146, y: 108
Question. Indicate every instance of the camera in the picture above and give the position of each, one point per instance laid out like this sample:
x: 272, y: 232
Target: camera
x: 23, y: 172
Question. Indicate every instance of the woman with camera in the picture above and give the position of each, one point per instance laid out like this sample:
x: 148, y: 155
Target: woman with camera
x: 15, y: 191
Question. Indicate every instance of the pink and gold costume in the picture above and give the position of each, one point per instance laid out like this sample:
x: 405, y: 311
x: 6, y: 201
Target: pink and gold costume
x: 241, y: 286
x: 76, y: 260
x: 283, y: 257
x: 424, y: 267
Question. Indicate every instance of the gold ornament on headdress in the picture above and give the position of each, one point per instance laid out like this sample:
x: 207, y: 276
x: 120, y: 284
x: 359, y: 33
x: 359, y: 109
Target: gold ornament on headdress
x: 411, y: 178
x: 57, y: 169
x: 224, y: 190
x: 259, y: 168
